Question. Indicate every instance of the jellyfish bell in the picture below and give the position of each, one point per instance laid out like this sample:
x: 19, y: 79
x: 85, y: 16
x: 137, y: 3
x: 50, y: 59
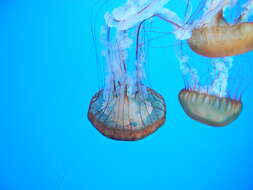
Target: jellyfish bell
x: 209, y: 109
x: 222, y: 39
x: 127, y: 117
x: 213, y: 36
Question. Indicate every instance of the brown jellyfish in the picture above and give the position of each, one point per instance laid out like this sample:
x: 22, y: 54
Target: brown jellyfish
x: 125, y: 108
x: 217, y: 38
x: 209, y: 109
x: 213, y: 98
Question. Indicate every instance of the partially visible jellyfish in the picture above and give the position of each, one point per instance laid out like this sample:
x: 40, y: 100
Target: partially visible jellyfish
x: 126, y: 108
x: 213, y: 36
x: 211, y: 103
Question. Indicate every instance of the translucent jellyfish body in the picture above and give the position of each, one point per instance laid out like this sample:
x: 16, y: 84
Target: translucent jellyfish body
x: 127, y: 117
x: 126, y: 108
x: 209, y: 109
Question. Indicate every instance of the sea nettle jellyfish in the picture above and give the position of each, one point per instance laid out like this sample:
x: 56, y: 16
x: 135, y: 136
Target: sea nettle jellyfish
x: 126, y: 108
x: 213, y: 36
x: 209, y: 109
x: 210, y: 104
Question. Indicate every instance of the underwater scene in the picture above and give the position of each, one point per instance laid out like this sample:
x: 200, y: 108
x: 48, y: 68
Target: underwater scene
x: 126, y: 94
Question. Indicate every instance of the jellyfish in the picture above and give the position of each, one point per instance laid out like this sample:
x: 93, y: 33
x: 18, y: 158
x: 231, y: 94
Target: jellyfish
x: 209, y: 109
x: 211, y: 103
x: 213, y: 36
x: 126, y: 108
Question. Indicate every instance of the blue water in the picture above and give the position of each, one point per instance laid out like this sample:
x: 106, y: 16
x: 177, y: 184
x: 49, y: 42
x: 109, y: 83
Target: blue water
x: 48, y: 76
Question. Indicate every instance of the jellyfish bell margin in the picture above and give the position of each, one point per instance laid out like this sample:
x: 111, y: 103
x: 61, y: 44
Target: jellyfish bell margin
x: 221, y: 39
x: 127, y: 118
x: 209, y: 109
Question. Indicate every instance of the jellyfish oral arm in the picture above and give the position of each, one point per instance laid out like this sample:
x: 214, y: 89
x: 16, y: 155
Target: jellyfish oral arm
x: 133, y: 12
x: 220, y: 74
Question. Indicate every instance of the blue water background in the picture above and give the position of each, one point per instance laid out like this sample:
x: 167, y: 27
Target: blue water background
x: 48, y: 74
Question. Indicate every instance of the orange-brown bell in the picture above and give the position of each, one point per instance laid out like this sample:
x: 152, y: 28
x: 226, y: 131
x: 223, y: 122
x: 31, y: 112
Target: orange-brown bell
x: 220, y: 39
